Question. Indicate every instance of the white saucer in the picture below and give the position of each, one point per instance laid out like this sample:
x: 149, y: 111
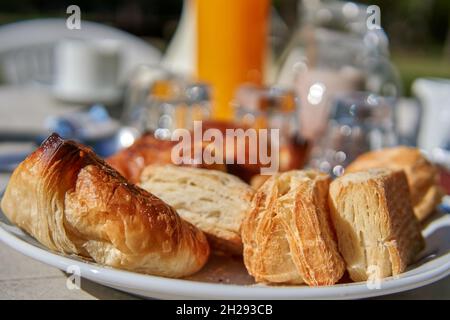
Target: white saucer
x: 108, y: 96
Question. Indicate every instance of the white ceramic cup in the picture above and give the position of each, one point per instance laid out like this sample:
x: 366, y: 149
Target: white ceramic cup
x: 87, y: 71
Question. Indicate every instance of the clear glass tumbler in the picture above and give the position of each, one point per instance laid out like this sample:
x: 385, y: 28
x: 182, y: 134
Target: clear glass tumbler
x: 358, y: 122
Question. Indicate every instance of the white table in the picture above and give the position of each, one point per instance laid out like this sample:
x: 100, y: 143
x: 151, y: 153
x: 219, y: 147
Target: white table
x: 23, y: 278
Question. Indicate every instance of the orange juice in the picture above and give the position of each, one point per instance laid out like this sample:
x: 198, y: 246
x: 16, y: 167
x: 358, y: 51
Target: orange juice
x: 231, y: 45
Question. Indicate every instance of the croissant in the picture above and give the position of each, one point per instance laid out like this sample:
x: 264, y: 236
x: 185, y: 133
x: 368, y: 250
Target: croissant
x: 73, y: 202
x: 288, y: 235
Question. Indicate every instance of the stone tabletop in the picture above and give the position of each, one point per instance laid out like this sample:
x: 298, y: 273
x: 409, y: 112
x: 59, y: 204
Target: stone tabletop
x: 24, y: 278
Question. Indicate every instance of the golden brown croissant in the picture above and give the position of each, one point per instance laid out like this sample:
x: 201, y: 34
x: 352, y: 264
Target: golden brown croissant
x: 288, y: 235
x: 421, y: 174
x: 73, y: 202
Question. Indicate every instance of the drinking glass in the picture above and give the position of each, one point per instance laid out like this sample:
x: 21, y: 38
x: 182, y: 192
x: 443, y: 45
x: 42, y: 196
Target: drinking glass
x: 173, y: 105
x: 231, y: 46
x: 159, y: 101
x: 273, y: 108
x: 358, y: 122
x: 137, y: 90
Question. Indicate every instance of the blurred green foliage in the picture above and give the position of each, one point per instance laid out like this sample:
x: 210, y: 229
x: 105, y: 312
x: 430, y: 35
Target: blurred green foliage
x: 419, y: 33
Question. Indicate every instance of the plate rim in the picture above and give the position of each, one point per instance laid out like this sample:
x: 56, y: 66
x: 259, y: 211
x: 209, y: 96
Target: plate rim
x: 132, y: 281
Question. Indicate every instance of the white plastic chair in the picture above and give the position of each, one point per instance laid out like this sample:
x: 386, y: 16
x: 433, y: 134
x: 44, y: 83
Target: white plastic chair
x: 26, y: 48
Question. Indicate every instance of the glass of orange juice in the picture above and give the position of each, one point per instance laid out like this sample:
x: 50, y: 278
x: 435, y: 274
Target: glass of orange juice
x: 231, y: 47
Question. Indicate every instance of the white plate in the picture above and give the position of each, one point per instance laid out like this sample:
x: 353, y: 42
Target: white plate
x: 225, y: 278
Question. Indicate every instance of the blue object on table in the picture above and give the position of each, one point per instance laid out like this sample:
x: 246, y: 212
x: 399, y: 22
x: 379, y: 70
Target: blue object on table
x: 98, y: 113
x: 445, y: 205
x: 64, y: 127
x: 93, y: 127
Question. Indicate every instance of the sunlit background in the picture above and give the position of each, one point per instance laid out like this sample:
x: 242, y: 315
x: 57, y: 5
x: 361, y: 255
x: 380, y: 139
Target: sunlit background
x: 419, y: 31
x: 302, y: 66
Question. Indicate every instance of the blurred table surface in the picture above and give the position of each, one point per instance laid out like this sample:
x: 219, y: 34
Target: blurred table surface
x: 25, y: 109
x: 24, y: 278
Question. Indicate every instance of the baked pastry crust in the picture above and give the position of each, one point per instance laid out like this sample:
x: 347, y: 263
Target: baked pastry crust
x: 288, y: 235
x: 213, y: 201
x: 73, y: 202
x: 258, y: 180
x: 422, y: 176
x: 148, y: 150
x: 377, y: 231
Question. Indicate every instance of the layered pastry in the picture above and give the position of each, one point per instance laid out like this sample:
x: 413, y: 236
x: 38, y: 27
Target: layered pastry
x: 288, y: 235
x: 213, y: 201
x: 378, y: 233
x: 422, y: 176
x: 145, y: 151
